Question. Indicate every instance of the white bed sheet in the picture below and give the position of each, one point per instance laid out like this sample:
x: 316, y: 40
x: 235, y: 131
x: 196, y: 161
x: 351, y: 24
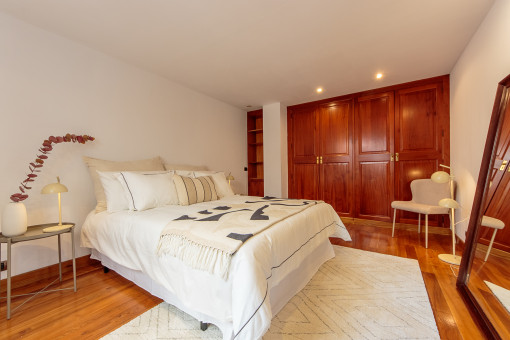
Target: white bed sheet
x: 241, y: 305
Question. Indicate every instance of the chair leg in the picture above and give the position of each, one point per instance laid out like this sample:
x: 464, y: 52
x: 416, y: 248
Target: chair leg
x: 426, y: 231
x: 394, y: 216
x: 490, y: 245
x: 419, y: 223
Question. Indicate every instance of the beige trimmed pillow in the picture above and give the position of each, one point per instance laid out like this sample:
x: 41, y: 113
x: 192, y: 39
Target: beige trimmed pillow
x: 185, y: 167
x: 195, y: 190
x: 94, y: 165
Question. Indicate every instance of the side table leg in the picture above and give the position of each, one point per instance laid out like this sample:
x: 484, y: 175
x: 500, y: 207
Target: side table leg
x: 59, y: 259
x: 74, y: 258
x: 8, y: 278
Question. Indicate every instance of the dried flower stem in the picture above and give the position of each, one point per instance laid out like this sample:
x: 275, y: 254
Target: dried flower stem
x: 36, y: 165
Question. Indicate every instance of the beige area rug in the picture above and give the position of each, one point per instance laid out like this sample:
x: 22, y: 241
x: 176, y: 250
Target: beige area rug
x: 356, y: 295
x: 502, y: 294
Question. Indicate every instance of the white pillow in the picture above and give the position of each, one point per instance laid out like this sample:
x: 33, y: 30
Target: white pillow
x: 223, y: 189
x: 116, y: 199
x: 148, y: 190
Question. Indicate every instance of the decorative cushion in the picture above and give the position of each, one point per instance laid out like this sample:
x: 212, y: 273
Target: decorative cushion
x: 96, y: 165
x: 223, y: 189
x: 148, y: 190
x: 195, y: 190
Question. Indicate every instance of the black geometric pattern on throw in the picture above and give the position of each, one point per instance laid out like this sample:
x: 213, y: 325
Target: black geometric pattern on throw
x: 258, y: 215
x: 218, y: 216
x: 184, y: 218
x: 240, y: 237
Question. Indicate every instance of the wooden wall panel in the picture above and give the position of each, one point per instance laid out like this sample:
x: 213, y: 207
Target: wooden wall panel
x: 304, y: 136
x: 374, y: 123
x: 374, y: 191
x: 335, y: 180
x: 417, y: 119
x: 337, y: 187
x: 374, y: 169
x: 306, y: 181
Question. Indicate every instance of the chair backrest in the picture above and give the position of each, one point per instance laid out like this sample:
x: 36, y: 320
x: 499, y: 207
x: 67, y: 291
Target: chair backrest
x: 425, y: 191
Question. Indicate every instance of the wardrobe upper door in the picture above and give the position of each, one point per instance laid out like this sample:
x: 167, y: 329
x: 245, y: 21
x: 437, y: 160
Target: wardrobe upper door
x: 421, y: 137
x: 373, y: 151
x: 303, y: 142
x: 335, y: 163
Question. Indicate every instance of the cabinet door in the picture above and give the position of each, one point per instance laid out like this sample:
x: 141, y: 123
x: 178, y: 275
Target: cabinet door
x: 374, y: 170
x: 420, y: 138
x: 335, y: 126
x: 304, y: 150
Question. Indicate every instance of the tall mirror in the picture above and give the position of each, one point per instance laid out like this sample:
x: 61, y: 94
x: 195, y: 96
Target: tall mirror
x: 484, y: 276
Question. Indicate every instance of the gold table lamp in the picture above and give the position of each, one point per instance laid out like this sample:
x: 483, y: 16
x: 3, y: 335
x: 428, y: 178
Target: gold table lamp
x: 56, y: 188
x: 230, y: 178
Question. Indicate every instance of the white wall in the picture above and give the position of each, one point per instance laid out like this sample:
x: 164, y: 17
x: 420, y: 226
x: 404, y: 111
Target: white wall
x: 275, y: 150
x: 50, y: 86
x: 484, y: 62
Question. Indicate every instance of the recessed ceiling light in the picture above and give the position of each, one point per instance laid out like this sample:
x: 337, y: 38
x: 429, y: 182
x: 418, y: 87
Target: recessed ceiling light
x: 319, y: 90
x: 379, y: 75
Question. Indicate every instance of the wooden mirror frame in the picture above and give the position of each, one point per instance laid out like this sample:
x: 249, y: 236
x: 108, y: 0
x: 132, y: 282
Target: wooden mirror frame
x: 473, y: 231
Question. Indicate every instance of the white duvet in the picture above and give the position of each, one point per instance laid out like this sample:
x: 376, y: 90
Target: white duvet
x: 240, y: 307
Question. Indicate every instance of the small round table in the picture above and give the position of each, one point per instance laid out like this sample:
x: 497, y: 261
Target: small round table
x: 35, y: 232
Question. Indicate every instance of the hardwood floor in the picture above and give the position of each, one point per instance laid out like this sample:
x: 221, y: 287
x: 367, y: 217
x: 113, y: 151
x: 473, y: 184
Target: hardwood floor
x: 104, y: 302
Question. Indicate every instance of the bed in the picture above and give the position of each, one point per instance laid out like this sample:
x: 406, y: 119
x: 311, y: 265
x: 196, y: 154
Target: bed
x: 265, y: 273
x: 139, y: 229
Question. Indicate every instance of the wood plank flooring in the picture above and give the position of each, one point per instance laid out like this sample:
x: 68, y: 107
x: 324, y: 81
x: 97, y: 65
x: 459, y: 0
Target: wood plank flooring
x: 104, y: 302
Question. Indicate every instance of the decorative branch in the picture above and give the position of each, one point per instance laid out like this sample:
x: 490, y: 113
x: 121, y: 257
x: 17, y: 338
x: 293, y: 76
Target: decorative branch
x: 36, y: 165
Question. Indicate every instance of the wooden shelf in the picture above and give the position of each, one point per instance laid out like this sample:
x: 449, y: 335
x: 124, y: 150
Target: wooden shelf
x: 255, y: 153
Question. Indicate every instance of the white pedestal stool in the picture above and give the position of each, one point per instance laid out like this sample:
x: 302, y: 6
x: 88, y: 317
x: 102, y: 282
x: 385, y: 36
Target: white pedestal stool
x: 494, y: 223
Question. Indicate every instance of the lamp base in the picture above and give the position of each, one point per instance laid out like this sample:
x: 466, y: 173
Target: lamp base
x: 450, y: 258
x: 57, y: 227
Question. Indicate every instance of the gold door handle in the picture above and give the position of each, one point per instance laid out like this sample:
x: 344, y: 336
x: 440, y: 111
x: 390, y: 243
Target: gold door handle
x: 317, y: 160
x: 503, y: 166
x: 396, y: 157
x: 392, y: 158
x: 320, y: 159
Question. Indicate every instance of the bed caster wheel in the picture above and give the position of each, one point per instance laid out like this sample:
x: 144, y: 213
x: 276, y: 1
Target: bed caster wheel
x: 106, y: 269
x: 203, y: 325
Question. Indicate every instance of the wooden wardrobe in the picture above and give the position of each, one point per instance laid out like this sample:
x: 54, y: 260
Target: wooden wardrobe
x: 361, y: 151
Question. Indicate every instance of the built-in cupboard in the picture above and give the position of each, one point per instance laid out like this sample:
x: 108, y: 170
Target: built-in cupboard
x: 360, y: 152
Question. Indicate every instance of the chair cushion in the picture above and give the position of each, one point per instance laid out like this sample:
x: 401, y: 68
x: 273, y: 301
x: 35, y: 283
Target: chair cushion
x: 419, y: 208
x: 492, y: 222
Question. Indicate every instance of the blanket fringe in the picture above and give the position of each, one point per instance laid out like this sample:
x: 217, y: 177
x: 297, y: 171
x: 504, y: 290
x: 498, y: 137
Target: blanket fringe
x: 195, y: 255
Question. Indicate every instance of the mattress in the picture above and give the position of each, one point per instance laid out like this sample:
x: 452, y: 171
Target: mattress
x: 259, y: 272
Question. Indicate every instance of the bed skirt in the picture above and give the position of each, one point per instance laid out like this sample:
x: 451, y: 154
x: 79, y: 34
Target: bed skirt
x: 279, y: 294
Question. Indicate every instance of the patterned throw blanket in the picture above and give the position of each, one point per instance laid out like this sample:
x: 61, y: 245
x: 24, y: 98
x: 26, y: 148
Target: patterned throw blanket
x: 206, y: 240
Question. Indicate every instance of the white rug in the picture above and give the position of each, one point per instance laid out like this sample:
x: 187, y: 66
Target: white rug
x: 356, y: 295
x: 501, y: 293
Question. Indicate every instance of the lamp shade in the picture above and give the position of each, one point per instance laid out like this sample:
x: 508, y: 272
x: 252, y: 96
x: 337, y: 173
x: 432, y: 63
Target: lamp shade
x: 54, y: 188
x: 449, y: 203
x: 230, y: 177
x: 440, y: 177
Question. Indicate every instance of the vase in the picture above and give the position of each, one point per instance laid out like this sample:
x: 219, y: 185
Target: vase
x: 14, y: 219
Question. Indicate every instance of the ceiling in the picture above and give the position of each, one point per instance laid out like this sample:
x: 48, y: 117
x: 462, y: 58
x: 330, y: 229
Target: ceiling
x: 257, y: 52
